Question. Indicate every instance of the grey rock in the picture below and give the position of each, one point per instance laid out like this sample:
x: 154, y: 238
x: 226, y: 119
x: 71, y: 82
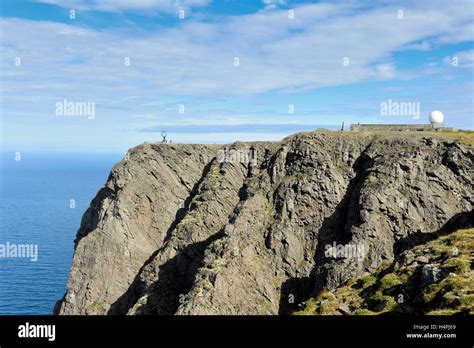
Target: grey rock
x: 430, y: 274
x: 175, y: 231
x: 422, y: 259
x: 344, y: 309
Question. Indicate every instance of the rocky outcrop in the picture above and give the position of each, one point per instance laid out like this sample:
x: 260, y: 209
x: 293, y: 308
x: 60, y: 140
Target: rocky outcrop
x: 131, y: 217
x: 246, y: 228
x: 434, y: 278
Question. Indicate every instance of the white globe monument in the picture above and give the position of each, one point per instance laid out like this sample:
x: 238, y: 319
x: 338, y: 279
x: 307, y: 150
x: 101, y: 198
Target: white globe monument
x: 436, y: 117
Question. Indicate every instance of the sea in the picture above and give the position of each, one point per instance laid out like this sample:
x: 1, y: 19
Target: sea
x: 42, y: 199
x: 43, y: 196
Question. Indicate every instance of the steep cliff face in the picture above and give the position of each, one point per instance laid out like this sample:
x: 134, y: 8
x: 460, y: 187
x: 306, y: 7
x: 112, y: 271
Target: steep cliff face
x: 245, y: 229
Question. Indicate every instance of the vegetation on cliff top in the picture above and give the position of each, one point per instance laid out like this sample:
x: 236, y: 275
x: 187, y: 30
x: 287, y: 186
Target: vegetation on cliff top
x: 433, y: 278
x: 463, y: 136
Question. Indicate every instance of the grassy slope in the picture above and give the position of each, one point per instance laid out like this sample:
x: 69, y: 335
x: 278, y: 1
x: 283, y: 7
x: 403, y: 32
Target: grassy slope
x: 464, y: 136
x: 397, y: 289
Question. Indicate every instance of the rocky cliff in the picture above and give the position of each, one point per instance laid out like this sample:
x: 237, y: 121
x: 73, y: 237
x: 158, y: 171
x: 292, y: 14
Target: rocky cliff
x: 435, y: 277
x: 255, y: 228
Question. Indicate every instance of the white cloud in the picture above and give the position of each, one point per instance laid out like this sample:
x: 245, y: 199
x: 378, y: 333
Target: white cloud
x: 418, y: 46
x: 463, y: 59
x: 273, y: 4
x: 151, y: 6
x: 386, y: 71
x: 196, y: 58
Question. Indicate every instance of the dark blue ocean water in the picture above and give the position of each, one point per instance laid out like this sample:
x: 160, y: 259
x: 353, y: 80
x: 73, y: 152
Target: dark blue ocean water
x: 35, y: 199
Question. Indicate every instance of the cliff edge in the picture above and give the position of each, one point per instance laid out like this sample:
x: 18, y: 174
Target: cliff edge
x: 255, y: 228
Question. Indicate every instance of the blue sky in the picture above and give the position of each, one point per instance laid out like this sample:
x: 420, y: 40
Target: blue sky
x: 302, y: 64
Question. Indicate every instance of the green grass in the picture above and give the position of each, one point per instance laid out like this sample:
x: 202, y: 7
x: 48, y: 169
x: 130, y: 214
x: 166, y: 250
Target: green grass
x: 377, y: 293
x: 390, y: 280
x: 466, y: 137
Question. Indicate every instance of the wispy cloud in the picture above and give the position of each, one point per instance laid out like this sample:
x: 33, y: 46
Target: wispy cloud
x: 464, y: 59
x: 241, y: 128
x: 274, y: 52
x: 273, y: 4
x: 151, y: 6
x: 138, y: 78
